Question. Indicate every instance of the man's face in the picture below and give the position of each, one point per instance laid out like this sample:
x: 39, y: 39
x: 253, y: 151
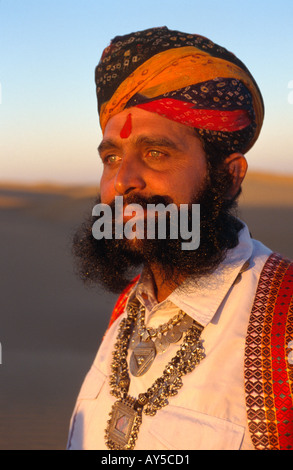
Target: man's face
x: 149, y: 159
x: 147, y: 155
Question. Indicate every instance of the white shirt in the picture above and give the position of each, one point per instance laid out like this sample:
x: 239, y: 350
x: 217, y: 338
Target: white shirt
x: 209, y: 411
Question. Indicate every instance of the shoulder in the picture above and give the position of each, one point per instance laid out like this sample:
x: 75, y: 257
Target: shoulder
x: 276, y: 279
x: 279, y: 269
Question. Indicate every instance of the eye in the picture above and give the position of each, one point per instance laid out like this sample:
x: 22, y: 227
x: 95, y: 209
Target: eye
x: 155, y: 154
x: 111, y: 159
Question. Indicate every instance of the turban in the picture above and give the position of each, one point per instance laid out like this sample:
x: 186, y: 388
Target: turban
x: 183, y: 77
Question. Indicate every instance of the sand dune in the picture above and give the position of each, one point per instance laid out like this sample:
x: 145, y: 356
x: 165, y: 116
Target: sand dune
x: 51, y: 325
x: 267, y: 190
x: 258, y: 189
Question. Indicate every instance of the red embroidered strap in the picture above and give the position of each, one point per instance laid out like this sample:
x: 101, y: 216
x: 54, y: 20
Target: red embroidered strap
x: 268, y: 372
x: 121, y: 302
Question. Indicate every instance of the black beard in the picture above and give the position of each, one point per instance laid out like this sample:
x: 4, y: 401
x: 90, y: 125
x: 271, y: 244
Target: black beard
x: 114, y: 263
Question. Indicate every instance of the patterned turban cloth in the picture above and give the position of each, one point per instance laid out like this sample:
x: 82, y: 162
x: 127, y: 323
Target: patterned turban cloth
x: 183, y: 77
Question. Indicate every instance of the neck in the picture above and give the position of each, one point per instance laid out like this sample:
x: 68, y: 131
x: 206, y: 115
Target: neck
x: 162, y: 287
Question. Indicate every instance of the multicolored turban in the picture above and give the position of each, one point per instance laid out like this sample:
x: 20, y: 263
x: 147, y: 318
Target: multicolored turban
x: 183, y: 77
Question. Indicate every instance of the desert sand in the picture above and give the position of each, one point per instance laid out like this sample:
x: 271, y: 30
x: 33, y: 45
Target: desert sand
x: 51, y: 325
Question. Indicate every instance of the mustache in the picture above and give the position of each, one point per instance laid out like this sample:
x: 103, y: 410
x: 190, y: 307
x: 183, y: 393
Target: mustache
x: 143, y: 201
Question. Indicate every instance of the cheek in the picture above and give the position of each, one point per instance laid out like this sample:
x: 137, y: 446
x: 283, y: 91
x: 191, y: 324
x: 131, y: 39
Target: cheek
x: 185, y: 184
x: 106, y: 189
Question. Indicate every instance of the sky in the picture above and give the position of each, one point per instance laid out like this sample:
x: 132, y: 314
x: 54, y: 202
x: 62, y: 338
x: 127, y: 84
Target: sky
x: 49, y: 128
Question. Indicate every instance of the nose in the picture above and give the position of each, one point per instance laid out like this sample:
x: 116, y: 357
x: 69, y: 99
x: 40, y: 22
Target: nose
x: 129, y: 177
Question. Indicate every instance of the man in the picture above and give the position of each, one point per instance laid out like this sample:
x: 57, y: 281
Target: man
x: 197, y: 353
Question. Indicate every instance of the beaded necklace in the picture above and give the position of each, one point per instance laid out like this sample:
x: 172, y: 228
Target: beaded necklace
x: 126, y: 414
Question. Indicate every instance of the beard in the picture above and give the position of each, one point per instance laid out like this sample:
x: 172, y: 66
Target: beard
x: 113, y: 263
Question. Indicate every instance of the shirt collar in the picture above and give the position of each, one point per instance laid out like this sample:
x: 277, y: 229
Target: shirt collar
x: 200, y: 300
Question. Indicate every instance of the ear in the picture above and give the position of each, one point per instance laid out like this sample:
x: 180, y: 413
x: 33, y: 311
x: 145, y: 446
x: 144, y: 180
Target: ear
x: 237, y: 166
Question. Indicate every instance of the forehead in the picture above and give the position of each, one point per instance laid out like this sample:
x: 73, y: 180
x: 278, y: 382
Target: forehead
x: 134, y: 121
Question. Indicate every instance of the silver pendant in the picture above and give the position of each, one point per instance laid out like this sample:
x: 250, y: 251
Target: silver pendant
x: 142, y: 358
x: 174, y: 335
x: 161, y: 344
x: 123, y: 425
x: 135, y: 339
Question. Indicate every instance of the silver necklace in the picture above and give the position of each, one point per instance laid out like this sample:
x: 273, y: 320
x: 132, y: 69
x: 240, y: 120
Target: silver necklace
x: 147, y: 342
x: 126, y: 414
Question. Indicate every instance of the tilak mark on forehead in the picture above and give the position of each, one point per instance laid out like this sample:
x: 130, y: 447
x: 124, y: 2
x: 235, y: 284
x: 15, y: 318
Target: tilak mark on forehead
x: 126, y: 129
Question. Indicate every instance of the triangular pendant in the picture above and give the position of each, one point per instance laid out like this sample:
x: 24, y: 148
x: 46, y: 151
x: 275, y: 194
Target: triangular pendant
x: 142, y: 358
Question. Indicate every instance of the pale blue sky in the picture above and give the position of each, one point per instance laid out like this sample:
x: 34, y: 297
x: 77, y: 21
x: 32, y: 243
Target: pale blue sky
x: 49, y: 128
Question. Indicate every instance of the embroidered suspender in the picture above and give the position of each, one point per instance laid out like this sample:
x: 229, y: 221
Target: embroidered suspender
x: 268, y: 371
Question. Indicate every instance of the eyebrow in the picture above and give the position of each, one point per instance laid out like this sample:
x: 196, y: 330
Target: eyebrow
x: 107, y: 144
x: 156, y: 141
x: 110, y: 144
